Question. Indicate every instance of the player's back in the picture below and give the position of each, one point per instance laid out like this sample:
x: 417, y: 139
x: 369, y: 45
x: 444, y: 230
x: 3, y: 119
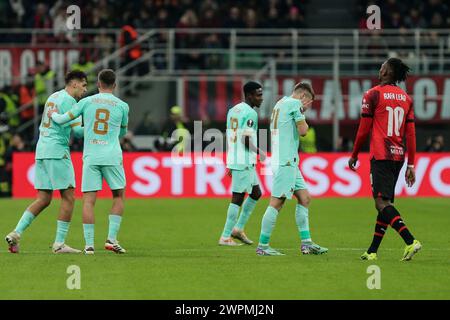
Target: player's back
x: 241, y: 120
x: 391, y: 108
x: 283, y: 131
x: 103, y: 115
x: 53, y: 142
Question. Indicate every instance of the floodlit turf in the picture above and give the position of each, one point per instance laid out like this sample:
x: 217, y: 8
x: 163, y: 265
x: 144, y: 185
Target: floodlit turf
x: 173, y: 254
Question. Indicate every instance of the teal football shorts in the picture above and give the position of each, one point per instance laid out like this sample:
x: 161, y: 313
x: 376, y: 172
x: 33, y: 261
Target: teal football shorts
x: 244, y: 180
x: 54, y: 174
x: 93, y: 177
x: 287, y: 180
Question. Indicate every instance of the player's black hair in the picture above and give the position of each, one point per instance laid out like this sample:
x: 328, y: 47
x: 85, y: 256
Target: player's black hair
x: 399, y: 69
x: 305, y: 86
x: 107, y: 77
x: 75, y: 74
x: 251, y: 86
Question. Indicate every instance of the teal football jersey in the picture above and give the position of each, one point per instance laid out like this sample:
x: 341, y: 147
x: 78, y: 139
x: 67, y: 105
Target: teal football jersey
x: 104, y: 114
x: 241, y: 120
x: 53, y: 142
x: 284, y: 134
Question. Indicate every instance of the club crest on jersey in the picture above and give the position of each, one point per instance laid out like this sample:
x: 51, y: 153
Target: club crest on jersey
x: 250, y: 123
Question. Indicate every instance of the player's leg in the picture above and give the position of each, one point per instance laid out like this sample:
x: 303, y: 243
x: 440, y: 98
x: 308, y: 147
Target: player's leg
x: 302, y: 220
x: 43, y: 200
x: 267, y: 225
x: 63, y: 179
x: 283, y: 187
x: 63, y: 222
x: 237, y: 199
x: 247, y: 209
x: 115, y: 219
x: 91, y: 183
x: 239, y: 185
x: 115, y: 177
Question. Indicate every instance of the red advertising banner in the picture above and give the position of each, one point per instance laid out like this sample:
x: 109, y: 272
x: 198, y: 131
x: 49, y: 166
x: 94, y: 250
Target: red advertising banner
x: 161, y: 175
x: 211, y: 99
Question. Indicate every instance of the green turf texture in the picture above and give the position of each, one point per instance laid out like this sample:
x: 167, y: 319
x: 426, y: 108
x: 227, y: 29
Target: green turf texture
x: 173, y: 253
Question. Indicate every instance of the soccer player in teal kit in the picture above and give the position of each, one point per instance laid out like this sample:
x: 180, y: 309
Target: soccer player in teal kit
x: 105, y: 121
x: 54, y: 169
x: 287, y: 123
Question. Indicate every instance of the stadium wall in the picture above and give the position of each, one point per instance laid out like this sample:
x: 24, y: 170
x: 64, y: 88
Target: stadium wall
x: 195, y: 176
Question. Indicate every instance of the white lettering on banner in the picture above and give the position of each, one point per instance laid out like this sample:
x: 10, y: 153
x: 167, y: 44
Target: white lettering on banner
x: 5, y: 68
x: 328, y: 101
x: 425, y: 88
x: 421, y: 169
x: 308, y: 166
x: 27, y: 62
x: 356, y: 94
x: 445, y: 111
x: 436, y: 176
x: 177, y: 167
x: 153, y: 181
x: 340, y: 168
x: 203, y: 178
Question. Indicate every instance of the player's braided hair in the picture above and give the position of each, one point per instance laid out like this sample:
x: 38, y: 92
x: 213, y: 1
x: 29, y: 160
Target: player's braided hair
x: 399, y: 69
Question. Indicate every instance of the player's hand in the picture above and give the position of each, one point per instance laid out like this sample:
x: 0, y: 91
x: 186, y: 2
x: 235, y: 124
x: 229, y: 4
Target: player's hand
x: 51, y: 111
x: 352, y: 163
x: 410, y: 176
x: 228, y: 173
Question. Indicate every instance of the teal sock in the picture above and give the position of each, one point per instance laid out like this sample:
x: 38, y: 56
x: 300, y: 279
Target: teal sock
x: 61, y: 231
x: 114, y: 226
x: 232, y: 215
x: 268, y: 223
x: 88, y: 234
x: 247, y: 208
x: 301, y: 218
x: 24, y: 222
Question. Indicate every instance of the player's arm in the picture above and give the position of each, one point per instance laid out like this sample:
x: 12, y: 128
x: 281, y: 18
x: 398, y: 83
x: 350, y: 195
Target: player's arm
x: 70, y: 115
x: 410, y: 131
x: 300, y: 120
x: 124, y: 123
x: 77, y: 127
x: 248, y: 131
x: 365, y: 125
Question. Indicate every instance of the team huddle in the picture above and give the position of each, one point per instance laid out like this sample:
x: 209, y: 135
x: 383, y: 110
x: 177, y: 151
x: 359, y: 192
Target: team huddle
x: 102, y: 119
x: 105, y: 119
x: 386, y: 113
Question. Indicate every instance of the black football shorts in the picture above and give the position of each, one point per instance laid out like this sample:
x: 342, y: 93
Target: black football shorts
x: 383, y: 178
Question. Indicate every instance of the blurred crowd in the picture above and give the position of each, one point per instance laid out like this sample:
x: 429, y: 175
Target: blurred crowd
x: 154, y: 14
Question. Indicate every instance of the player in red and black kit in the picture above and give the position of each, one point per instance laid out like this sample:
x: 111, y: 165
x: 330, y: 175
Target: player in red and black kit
x: 387, y: 113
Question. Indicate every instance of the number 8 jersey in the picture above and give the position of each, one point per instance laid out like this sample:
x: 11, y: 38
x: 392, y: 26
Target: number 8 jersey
x: 242, y: 120
x: 391, y: 108
x: 104, y: 115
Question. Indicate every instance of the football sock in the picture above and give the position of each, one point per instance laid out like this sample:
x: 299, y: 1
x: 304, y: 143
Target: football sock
x: 268, y: 223
x: 62, y: 227
x: 24, y: 222
x: 396, y: 222
x: 88, y: 234
x: 232, y: 215
x: 247, y: 208
x: 114, y: 226
x: 380, y: 230
x: 301, y: 218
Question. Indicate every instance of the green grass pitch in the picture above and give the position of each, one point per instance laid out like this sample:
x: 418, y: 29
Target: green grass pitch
x: 173, y: 254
